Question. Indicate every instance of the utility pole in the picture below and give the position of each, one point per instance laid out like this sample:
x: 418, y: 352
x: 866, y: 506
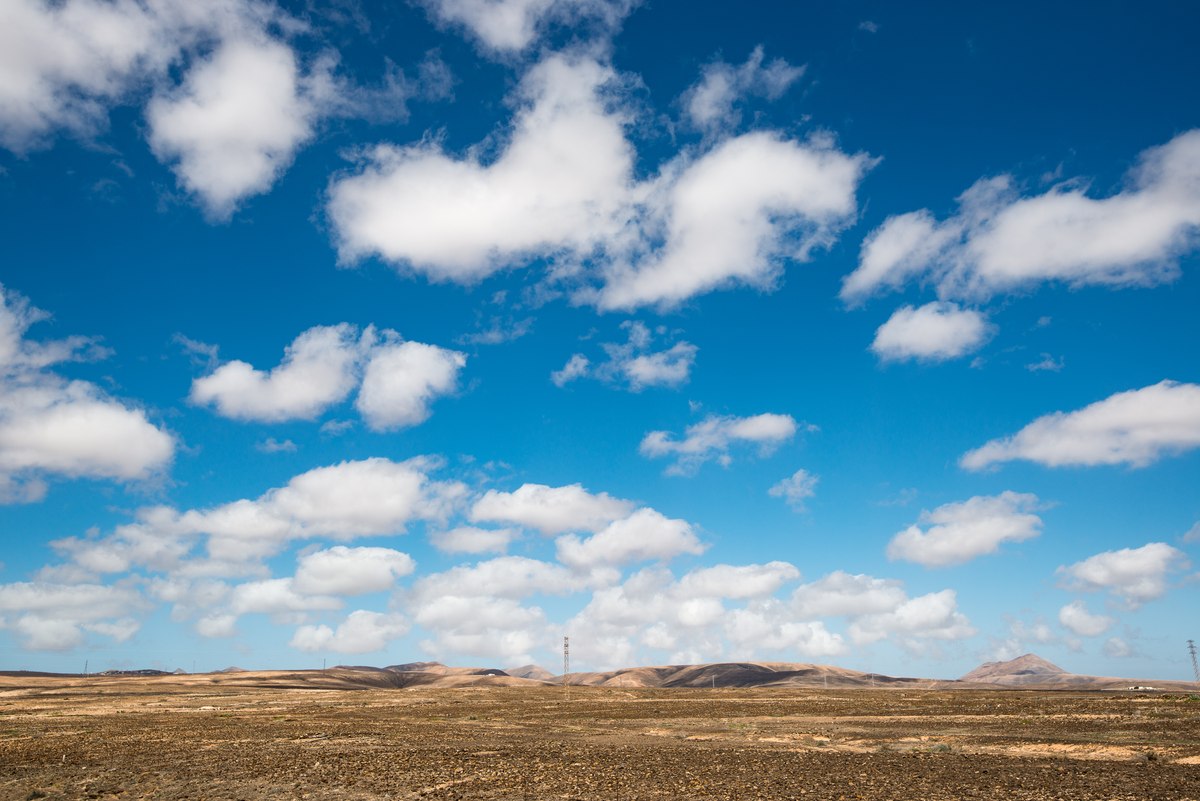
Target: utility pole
x: 1195, y: 667
x: 85, y: 663
x: 566, y: 664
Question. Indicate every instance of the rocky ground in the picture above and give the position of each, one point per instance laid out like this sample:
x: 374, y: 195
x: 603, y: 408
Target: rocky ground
x: 138, y: 738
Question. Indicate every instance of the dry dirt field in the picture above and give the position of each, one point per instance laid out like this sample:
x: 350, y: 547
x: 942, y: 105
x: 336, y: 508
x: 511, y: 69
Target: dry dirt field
x: 142, y: 738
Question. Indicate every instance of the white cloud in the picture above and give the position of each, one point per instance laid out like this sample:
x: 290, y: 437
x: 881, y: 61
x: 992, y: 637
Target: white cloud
x: 768, y: 625
x: 402, y: 379
x: 56, y: 617
x: 1193, y: 533
x: 230, y: 128
x: 277, y: 596
x: 633, y: 363
x: 932, y: 616
x: 737, y: 581
x: 361, y: 632
x: 49, y: 425
x: 319, y: 369
x: 469, y: 539
x: 1135, y: 575
x: 713, y: 437
x: 513, y: 25
x: 933, y: 332
x: 559, y: 185
x: 710, y: 103
x: 344, y: 501
x: 236, y: 122
x: 551, y: 510
x: 841, y: 594
x: 576, y: 367
x: 351, y: 571
x: 1000, y: 241
x: 1076, y: 617
x: 563, y: 188
x: 272, y: 445
x: 477, y: 609
x: 795, y: 489
x: 960, y: 532
x: 1117, y: 648
x: 732, y: 217
x: 645, y: 534
x: 1137, y: 428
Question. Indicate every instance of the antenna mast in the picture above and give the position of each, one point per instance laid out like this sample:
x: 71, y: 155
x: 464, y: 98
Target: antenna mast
x: 566, y: 660
x: 1195, y: 667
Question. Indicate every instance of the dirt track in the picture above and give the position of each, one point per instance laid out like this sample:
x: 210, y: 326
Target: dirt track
x: 135, y: 738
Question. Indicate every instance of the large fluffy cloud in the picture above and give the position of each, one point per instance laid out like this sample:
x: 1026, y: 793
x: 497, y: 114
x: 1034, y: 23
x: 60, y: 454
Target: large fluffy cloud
x: 1135, y: 575
x: 1000, y: 241
x: 53, y: 426
x: 933, y: 332
x: 361, y: 632
x: 56, y: 617
x: 713, y: 437
x: 959, y: 532
x: 551, y: 510
x: 1076, y: 617
x: 1137, y: 428
x: 351, y: 571
x: 399, y: 380
x: 236, y: 122
x: 563, y: 187
x: 645, y: 534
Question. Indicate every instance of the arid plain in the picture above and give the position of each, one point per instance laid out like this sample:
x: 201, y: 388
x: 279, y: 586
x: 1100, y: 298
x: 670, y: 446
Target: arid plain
x: 340, y: 734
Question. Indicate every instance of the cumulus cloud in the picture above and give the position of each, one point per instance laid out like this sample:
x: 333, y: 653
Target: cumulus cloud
x: 713, y: 437
x: 1137, y: 428
x: 711, y: 102
x: 56, y: 617
x: 397, y: 380
x: 478, y: 610
x: 796, y: 489
x: 469, y: 539
x: 236, y: 122
x: 550, y: 510
x: 959, y: 532
x: 1135, y: 575
x: 351, y: 571
x: 934, y: 332
x: 563, y: 189
x: 1076, y: 618
x: 1117, y: 648
x: 841, y: 594
x: 401, y: 381
x: 318, y: 370
x: 645, y: 534
x: 633, y: 364
x: 506, y: 26
x: 1000, y: 241
x: 932, y: 616
x: 53, y: 426
x: 362, y: 632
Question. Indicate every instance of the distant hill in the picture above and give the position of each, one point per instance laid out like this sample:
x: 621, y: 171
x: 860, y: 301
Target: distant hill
x: 743, y: 674
x: 1027, y: 669
x: 1034, y: 673
x: 530, y: 672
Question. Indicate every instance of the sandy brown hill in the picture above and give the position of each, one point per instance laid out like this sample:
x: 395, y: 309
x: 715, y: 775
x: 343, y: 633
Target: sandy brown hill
x: 1031, y: 672
x: 744, y: 674
x: 1026, y: 669
x: 530, y: 672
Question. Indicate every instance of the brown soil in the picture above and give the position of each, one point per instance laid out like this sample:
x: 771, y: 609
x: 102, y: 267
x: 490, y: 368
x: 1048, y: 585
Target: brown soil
x: 202, y: 739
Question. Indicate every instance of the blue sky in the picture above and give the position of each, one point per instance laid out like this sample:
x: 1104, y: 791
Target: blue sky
x: 372, y: 333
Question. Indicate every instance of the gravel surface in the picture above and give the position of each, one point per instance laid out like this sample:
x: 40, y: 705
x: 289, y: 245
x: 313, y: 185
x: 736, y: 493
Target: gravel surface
x: 138, y: 738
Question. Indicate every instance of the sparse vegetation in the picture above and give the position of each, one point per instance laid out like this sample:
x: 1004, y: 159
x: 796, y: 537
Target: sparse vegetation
x: 505, y: 743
